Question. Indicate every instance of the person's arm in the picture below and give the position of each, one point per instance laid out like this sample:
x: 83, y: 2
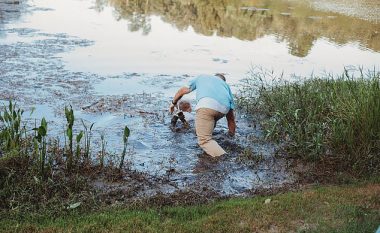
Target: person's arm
x: 181, y: 92
x: 231, y: 122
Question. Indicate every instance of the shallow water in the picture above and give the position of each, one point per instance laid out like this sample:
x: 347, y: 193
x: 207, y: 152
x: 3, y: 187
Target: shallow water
x: 119, y: 63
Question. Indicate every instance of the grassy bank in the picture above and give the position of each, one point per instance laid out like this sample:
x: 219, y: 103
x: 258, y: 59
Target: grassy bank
x: 45, y: 183
x: 354, y: 208
x: 327, y: 118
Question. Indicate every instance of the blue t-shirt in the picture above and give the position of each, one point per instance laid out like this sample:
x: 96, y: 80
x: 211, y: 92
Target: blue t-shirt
x: 213, y: 87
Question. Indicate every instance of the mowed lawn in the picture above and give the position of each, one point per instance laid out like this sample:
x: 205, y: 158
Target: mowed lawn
x: 349, y: 208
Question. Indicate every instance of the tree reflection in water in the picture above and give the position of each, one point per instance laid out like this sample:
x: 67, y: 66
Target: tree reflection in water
x: 295, y: 22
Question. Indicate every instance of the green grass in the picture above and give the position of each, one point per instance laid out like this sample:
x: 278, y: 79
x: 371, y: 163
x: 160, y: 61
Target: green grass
x: 321, y: 118
x: 354, y: 208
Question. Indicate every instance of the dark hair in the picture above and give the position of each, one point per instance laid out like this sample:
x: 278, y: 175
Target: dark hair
x: 221, y: 76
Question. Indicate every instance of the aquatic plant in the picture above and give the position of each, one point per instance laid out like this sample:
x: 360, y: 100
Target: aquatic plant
x: 40, y: 145
x: 87, y: 139
x: 34, y: 177
x: 69, y: 113
x: 12, y: 130
x: 335, y: 118
x: 103, y: 145
x: 125, y: 141
x: 78, y: 149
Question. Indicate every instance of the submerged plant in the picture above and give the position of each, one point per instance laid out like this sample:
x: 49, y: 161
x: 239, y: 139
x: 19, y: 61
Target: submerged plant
x: 125, y: 141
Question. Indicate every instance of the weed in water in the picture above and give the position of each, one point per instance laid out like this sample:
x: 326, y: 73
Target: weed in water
x: 34, y: 178
x: 69, y: 113
x: 78, y: 149
x: 125, y: 141
x: 87, y: 139
x: 40, y: 145
x: 103, y: 149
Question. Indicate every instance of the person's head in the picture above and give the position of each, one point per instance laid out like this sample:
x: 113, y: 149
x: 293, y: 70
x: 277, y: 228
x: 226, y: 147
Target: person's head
x: 184, y: 106
x: 220, y: 75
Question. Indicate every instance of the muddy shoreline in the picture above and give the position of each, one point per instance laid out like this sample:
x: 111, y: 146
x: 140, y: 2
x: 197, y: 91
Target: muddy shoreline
x: 170, y: 164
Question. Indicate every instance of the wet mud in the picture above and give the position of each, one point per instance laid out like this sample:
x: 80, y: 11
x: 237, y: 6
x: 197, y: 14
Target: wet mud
x: 164, y: 163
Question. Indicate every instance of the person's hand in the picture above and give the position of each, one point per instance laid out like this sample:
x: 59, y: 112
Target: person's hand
x: 171, y: 108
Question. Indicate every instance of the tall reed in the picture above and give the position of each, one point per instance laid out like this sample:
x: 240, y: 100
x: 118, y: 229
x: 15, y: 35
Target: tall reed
x: 319, y: 118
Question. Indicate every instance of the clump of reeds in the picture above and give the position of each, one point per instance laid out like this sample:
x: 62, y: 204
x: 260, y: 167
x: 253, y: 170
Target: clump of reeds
x: 15, y: 140
x: 36, y: 171
x: 321, y: 117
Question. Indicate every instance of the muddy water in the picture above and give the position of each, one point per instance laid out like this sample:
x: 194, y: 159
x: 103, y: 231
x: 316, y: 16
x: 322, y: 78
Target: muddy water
x: 119, y: 62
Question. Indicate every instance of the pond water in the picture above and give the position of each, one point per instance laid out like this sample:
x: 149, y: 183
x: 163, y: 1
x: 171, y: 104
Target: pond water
x: 120, y: 62
x: 193, y: 37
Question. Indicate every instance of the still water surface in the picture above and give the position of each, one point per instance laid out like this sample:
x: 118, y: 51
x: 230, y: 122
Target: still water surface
x: 193, y: 37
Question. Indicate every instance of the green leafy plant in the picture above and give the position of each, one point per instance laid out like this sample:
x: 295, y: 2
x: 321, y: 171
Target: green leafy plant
x: 78, y: 149
x: 69, y: 113
x: 12, y: 131
x: 125, y: 141
x: 40, y: 145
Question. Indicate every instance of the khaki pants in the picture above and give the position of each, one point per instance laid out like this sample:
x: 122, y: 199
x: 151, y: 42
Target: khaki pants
x: 205, y: 121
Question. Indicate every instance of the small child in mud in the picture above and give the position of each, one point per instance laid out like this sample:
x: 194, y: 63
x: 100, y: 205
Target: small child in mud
x: 183, y: 114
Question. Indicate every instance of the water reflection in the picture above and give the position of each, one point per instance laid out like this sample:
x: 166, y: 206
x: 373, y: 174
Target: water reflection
x: 294, y: 22
x: 9, y: 10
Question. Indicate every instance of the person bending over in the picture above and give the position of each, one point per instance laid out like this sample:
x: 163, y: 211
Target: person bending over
x: 214, y: 101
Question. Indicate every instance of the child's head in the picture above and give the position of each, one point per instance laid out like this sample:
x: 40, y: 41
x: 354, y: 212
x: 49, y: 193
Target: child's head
x: 184, y: 106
